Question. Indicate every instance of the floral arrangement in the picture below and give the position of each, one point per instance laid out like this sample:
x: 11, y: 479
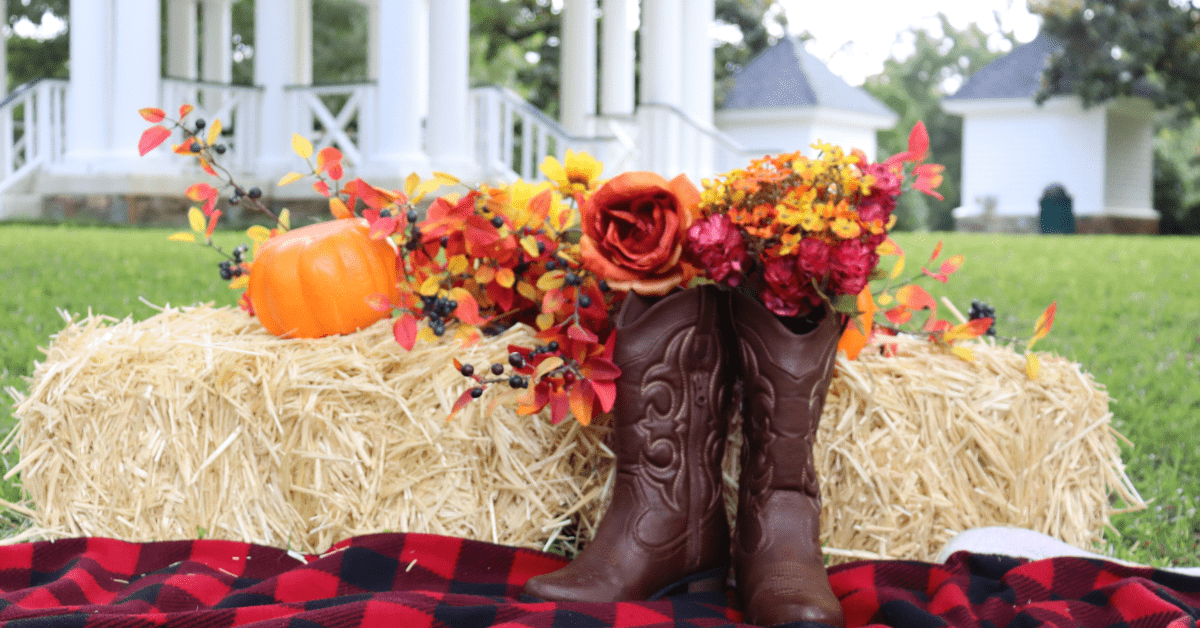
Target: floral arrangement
x: 560, y: 255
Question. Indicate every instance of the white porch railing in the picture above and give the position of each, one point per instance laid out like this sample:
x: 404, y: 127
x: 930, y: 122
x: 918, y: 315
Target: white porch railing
x: 238, y: 107
x: 335, y: 115
x: 512, y: 137
x: 32, y: 126
x: 673, y: 142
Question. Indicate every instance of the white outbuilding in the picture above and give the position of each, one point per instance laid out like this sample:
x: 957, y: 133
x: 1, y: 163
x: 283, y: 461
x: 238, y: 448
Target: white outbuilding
x: 1015, y: 149
x: 785, y: 99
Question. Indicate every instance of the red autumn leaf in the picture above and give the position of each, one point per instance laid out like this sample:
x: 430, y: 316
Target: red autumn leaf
x: 968, y: 330
x: 600, y: 369
x: 501, y: 295
x: 889, y: 247
x: 212, y: 224
x: 374, y: 197
x: 898, y: 315
x: 918, y: 142
x: 379, y: 302
x: 936, y: 325
x: 938, y: 276
x: 327, y: 158
x: 405, y: 330
x: 951, y: 265
x: 553, y: 301
x: 322, y: 188
x: 559, y: 406
x: 460, y: 403
x: 184, y: 110
x: 539, y: 207
x: 207, y: 167
x: 929, y: 177
x: 382, y: 227
x: 606, y: 393
x: 480, y: 233
x: 153, y: 115
x: 201, y: 192
x: 915, y: 297
x: 468, y: 308
x: 575, y: 332
x: 583, y: 402
x: 937, y: 250
x: 151, y: 138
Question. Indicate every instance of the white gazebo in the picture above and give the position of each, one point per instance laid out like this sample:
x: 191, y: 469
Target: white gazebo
x: 415, y: 113
x: 1014, y: 149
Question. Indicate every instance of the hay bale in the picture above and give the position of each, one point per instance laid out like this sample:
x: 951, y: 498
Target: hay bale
x: 198, y: 422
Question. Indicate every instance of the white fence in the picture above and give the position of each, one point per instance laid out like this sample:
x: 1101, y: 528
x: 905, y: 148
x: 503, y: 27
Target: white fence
x: 32, y: 126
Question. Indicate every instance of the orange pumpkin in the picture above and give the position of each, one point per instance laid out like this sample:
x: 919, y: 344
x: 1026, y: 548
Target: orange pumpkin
x: 313, y: 281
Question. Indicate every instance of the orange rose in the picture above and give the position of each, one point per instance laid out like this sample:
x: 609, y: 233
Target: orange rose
x: 634, y: 228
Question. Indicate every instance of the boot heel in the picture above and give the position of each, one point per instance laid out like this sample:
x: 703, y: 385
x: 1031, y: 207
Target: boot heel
x: 700, y: 582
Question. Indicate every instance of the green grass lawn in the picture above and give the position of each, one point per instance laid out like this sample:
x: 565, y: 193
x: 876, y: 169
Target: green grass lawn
x: 1128, y: 311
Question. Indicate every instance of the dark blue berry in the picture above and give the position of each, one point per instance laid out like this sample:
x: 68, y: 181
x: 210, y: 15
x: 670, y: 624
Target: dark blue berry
x: 516, y: 381
x: 553, y: 346
x: 200, y: 123
x: 497, y: 368
x: 467, y: 370
x: 255, y: 193
x: 585, y: 301
x: 411, y: 215
x: 604, y: 286
x: 477, y: 392
x: 516, y: 359
x: 551, y: 265
x: 220, y: 148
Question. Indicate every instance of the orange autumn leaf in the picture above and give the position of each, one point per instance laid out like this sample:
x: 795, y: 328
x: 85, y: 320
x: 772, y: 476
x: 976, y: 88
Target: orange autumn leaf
x: 853, y: 340
x: 1044, y: 323
x: 582, y: 401
x: 899, y: 315
x: 338, y: 208
x: 152, y: 115
x: 915, y: 297
x: 937, y: 250
x: 968, y: 330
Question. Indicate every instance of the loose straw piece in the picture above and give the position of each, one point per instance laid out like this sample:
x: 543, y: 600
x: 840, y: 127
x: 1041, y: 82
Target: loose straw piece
x: 197, y: 419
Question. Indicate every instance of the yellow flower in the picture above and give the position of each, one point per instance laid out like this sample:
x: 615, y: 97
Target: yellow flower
x: 578, y: 174
x: 845, y: 228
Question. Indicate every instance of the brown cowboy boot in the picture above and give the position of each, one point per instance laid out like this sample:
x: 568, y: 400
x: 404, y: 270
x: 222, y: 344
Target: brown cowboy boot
x: 666, y: 523
x: 776, y: 553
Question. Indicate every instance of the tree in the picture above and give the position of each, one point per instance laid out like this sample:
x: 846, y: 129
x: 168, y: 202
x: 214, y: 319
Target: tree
x: 1115, y: 48
x: 913, y: 87
x: 30, y: 58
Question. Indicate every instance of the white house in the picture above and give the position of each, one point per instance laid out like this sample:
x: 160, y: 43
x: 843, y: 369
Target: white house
x: 1013, y: 149
x: 785, y: 99
x: 416, y: 113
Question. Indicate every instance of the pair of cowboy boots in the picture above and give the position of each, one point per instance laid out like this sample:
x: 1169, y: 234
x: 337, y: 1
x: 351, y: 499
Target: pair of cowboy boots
x: 666, y: 527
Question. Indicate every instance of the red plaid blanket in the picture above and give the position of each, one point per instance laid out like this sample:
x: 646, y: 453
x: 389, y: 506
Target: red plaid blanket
x: 422, y: 580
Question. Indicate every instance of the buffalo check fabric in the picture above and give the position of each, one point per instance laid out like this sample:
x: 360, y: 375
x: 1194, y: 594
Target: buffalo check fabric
x: 434, y: 581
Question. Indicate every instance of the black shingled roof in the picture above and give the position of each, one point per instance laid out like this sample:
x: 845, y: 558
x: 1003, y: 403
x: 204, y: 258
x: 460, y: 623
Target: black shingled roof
x: 786, y: 75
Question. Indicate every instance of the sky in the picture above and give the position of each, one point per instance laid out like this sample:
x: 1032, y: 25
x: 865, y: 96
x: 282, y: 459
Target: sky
x: 855, y: 37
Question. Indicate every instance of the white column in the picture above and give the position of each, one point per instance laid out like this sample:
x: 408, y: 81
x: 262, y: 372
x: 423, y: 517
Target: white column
x: 616, y: 61
x: 138, y: 70
x: 275, y: 66
x: 89, y: 110
x: 218, y: 41
x: 393, y: 140
x: 182, y: 27
x: 373, y: 31
x: 662, y: 52
x: 577, y: 87
x: 448, y: 129
x: 303, y: 35
x: 697, y: 55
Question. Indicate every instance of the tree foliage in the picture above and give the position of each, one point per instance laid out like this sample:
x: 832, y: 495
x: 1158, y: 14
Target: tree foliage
x: 913, y: 87
x: 752, y: 18
x: 1112, y: 47
x: 30, y: 58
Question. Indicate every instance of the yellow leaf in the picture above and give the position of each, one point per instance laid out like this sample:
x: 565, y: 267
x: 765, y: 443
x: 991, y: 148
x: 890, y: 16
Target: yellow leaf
x: 1033, y: 366
x: 214, y: 132
x: 885, y: 299
x: 302, y: 146
x: 547, y: 365
x: 446, y: 179
x: 240, y: 283
x: 963, y: 352
x: 527, y: 291
x: 899, y: 267
x: 182, y: 236
x: 506, y: 277
x: 285, y: 219
x: 545, y: 320
x: 258, y: 234
x: 196, y: 220
x: 426, y: 187
x: 426, y: 335
x: 410, y: 184
x: 430, y: 286
x: 551, y: 280
x: 529, y: 243
x: 290, y: 177
x: 458, y: 264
